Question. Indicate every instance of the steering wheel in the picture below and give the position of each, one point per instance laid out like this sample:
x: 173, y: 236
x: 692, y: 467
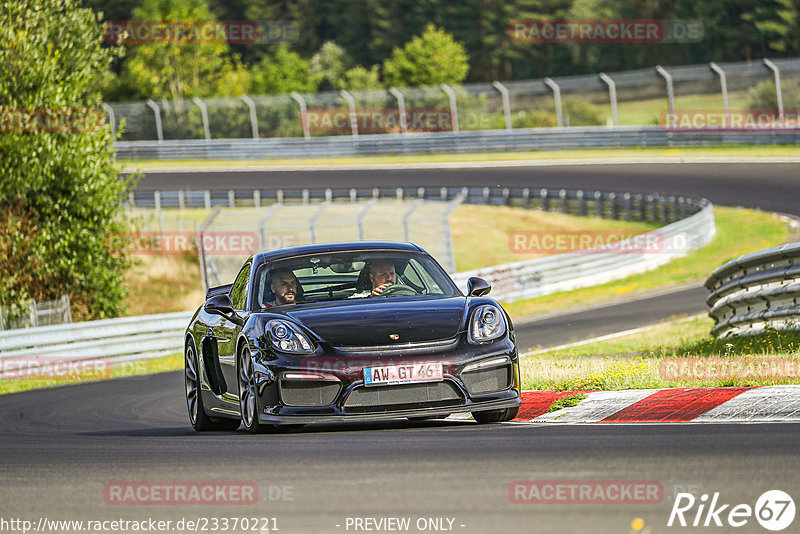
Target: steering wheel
x: 399, y: 289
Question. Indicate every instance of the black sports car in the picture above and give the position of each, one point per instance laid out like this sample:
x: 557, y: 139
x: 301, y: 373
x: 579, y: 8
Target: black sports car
x: 347, y: 332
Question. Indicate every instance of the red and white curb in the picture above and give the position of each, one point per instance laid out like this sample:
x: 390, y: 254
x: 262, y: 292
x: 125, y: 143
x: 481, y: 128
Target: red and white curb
x: 674, y: 405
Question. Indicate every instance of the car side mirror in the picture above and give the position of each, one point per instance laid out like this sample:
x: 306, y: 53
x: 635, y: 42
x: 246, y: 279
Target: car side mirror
x: 222, y: 305
x: 478, y: 287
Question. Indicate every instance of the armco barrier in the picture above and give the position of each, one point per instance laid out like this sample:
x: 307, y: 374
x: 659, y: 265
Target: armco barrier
x: 449, y: 142
x: 119, y: 340
x: 562, y: 272
x: 756, y: 291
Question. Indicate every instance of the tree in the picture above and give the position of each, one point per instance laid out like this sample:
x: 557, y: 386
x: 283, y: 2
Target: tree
x: 359, y: 78
x: 431, y: 58
x: 329, y: 65
x: 177, y: 70
x: 282, y: 72
x: 61, y: 189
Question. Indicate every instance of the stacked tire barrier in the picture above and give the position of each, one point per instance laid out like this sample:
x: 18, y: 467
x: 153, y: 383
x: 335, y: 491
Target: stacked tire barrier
x: 755, y: 292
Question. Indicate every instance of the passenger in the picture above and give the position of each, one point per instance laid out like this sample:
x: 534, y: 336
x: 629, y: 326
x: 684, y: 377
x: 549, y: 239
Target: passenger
x: 284, y: 286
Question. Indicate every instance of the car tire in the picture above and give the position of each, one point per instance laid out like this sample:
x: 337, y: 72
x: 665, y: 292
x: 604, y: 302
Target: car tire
x: 495, y: 416
x: 198, y: 417
x: 248, y: 400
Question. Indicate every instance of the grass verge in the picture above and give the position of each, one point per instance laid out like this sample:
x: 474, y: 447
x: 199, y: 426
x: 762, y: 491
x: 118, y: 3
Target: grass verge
x: 726, y: 151
x: 680, y: 353
x: 567, y: 402
x: 52, y: 375
x: 739, y: 231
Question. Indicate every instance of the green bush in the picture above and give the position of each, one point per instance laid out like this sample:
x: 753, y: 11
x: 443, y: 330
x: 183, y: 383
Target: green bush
x: 60, y: 187
x: 764, y: 97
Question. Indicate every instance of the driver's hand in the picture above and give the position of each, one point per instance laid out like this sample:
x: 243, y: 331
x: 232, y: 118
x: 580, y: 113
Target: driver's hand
x: 379, y: 290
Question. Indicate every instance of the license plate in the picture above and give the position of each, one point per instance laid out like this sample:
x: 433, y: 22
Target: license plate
x: 403, y: 374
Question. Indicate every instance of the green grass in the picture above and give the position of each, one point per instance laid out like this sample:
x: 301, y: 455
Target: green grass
x: 739, y: 231
x: 644, y: 153
x: 651, y: 112
x: 143, y: 367
x: 567, y: 402
x: 679, y: 353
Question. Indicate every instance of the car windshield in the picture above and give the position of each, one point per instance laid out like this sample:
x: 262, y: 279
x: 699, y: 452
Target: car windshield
x: 349, y: 275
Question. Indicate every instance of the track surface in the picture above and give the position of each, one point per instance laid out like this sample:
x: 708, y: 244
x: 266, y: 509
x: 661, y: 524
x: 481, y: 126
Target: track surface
x: 62, y: 446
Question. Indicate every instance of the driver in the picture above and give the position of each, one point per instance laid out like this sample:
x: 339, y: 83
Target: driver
x: 381, y: 275
x: 283, y: 284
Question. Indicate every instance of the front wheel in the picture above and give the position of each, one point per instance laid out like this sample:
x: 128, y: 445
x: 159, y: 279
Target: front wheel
x: 201, y: 422
x: 248, y: 402
x: 495, y: 416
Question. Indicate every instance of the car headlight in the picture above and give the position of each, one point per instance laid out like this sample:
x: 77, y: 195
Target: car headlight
x: 286, y: 337
x: 487, y: 323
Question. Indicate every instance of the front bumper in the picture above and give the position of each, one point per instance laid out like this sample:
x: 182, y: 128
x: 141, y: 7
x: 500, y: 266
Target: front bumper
x: 348, y: 399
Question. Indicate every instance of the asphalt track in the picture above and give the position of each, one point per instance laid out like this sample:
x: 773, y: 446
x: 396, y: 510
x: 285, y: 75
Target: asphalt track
x: 63, y: 447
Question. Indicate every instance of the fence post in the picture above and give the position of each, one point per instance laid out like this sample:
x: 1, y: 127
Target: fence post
x: 526, y: 197
x: 303, y: 112
x: 256, y: 198
x: 1, y: 318
x: 563, y: 195
x: 581, y: 203
x: 543, y: 194
x: 313, y: 220
x: 612, y: 96
x: 447, y: 239
x: 506, y: 103
x: 157, y: 199
x: 360, y: 219
x: 612, y: 198
x: 34, y: 316
x: 778, y: 93
x: 557, y: 97
x: 401, y: 107
x: 204, y: 115
x: 111, y: 120
x: 598, y: 198
x: 628, y: 206
x: 351, y: 104
x: 406, y: 216
x: 207, y: 199
x: 670, y: 94
x: 181, y: 200
x: 157, y: 112
x: 724, y: 84
x: 262, y: 224
x: 253, y: 118
x: 453, y: 107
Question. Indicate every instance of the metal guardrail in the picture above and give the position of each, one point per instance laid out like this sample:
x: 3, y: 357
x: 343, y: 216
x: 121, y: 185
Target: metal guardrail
x: 756, y: 291
x: 118, y: 340
x: 563, y: 272
x: 450, y: 142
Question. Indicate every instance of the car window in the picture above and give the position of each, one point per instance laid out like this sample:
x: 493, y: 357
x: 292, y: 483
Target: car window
x: 342, y: 276
x: 239, y: 288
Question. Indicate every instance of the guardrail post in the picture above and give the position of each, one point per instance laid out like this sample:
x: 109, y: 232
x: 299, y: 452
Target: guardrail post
x: 506, y: 103
x: 353, y: 194
x: 543, y: 195
x: 421, y: 193
x: 563, y: 195
x: 231, y: 199
x: 204, y: 115
x: 253, y: 118
x: 157, y: 200
x: 399, y: 194
x: 453, y: 107
x: 279, y: 196
x: 774, y: 68
x: 598, y: 198
x: 401, y: 108
x: 612, y: 96
x: 351, y: 104
x: 376, y: 193
x: 724, y: 84
x: 526, y: 197
x: 112, y: 120
x: 557, y: 97
x: 256, y: 198
x: 670, y: 94
x: 207, y: 199
x: 306, y: 197
x: 506, y: 198
x: 612, y: 198
x: 131, y: 199
x: 328, y: 195
x: 303, y: 113
x: 157, y: 112
x: 628, y: 206
x: 181, y: 200
x: 581, y: 203
x: 682, y: 206
x: 486, y: 193
x: 443, y: 193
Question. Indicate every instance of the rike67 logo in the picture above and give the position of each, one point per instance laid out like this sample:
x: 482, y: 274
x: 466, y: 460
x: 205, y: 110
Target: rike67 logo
x: 774, y: 510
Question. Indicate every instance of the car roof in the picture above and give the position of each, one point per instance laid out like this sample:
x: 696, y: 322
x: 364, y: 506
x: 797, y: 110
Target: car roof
x: 321, y: 248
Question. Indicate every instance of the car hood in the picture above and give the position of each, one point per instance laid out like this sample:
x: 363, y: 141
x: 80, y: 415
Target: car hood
x: 372, y: 321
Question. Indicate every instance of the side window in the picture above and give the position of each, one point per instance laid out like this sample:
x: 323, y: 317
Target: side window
x: 239, y: 288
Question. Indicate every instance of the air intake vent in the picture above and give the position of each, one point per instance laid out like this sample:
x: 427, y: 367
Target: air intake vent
x: 487, y: 380
x: 308, y: 392
x: 403, y: 397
